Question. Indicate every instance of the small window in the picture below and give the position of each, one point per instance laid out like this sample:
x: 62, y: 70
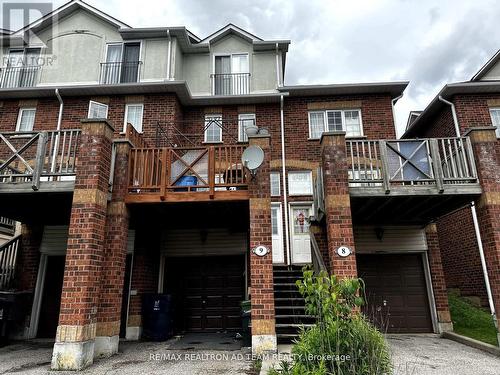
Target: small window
x: 98, y: 110
x: 300, y: 183
x: 133, y: 116
x: 275, y: 184
x: 213, y: 128
x: 244, y: 120
x: 495, y: 119
x: 345, y: 120
x: 25, y: 119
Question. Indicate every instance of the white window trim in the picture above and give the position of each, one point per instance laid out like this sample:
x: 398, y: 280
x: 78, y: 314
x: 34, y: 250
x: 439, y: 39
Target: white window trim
x: 98, y: 103
x: 19, y: 115
x: 240, y: 135
x: 205, y: 130
x: 279, y: 184
x: 126, y: 116
x: 342, y: 114
x: 299, y: 194
x: 497, y: 130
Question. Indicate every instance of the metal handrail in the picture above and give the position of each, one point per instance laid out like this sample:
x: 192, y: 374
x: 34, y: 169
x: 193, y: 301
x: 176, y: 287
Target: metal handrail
x: 19, y: 76
x: 317, y: 258
x: 120, y: 72
x: 230, y: 83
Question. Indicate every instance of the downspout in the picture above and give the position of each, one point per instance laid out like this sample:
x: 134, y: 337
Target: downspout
x: 283, y: 170
x: 59, y: 122
x: 393, y: 102
x: 169, y: 53
x: 476, y: 227
x: 278, y: 75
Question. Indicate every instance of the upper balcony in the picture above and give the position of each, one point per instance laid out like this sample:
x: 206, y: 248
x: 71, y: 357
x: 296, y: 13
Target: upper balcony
x: 410, y: 180
x: 230, y: 84
x: 120, y: 72
x: 19, y: 76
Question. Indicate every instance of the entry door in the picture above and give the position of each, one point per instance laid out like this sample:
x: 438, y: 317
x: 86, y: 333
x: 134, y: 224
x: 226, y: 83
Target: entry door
x: 130, y: 71
x: 301, y: 240
x: 223, y: 80
x: 277, y: 230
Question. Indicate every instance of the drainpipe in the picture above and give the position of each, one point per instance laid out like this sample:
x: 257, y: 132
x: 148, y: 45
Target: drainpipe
x: 476, y: 226
x: 393, y: 102
x: 169, y: 54
x: 59, y: 121
x: 278, y: 80
x: 283, y: 169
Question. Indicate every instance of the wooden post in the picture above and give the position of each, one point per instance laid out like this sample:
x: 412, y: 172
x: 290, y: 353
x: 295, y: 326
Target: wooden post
x: 39, y: 160
x: 436, y: 164
x: 211, y: 171
x: 386, y: 177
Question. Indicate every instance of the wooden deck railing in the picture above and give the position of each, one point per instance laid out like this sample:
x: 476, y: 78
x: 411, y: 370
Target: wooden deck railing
x: 38, y: 156
x: 437, y: 162
x: 8, y: 260
x: 164, y: 171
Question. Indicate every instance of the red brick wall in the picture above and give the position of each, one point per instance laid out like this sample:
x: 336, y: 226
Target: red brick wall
x: 29, y: 256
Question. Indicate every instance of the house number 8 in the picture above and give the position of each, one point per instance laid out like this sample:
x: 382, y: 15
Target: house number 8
x: 343, y: 251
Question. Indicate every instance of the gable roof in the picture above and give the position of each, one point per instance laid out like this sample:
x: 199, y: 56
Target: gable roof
x: 412, y: 117
x: 486, y: 67
x: 65, y: 10
x: 230, y: 29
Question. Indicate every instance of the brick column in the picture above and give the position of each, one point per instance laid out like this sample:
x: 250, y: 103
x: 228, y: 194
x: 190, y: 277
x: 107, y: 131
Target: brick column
x: 437, y: 279
x: 29, y: 257
x: 337, y: 203
x: 487, y: 155
x: 115, y: 253
x: 261, y: 267
x: 74, y: 347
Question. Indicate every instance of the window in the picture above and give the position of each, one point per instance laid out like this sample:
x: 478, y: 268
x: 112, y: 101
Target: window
x: 213, y: 128
x: 231, y: 74
x: 133, y: 116
x: 25, y: 119
x: 345, y: 120
x: 495, y: 119
x: 275, y: 184
x: 244, y: 120
x: 98, y: 110
x: 122, y: 63
x: 300, y: 183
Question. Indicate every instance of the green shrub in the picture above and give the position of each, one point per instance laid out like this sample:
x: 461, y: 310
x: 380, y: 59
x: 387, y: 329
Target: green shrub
x: 342, y: 341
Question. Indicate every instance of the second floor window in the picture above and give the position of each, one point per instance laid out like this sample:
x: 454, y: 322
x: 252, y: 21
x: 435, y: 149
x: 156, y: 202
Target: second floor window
x: 213, y: 128
x: 275, y: 184
x: 122, y: 63
x: 97, y: 110
x: 133, y: 116
x: 495, y: 119
x: 244, y: 120
x: 231, y: 74
x: 338, y: 120
x: 25, y: 119
x: 21, y: 68
x: 300, y: 183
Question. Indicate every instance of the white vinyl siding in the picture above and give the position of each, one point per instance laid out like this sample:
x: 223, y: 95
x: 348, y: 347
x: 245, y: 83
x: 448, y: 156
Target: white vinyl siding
x: 97, y: 110
x: 338, y: 120
x: 213, y: 128
x: 300, y: 183
x: 495, y: 119
x: 275, y: 184
x: 133, y: 116
x: 25, y: 119
x: 244, y: 120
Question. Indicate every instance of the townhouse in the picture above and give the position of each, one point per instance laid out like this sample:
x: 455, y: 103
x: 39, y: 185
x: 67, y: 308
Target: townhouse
x: 150, y: 160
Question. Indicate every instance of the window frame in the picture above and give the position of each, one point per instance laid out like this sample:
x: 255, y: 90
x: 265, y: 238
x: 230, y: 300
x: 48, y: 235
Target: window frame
x: 206, y: 129
x: 19, y: 116
x: 242, y: 136
x: 98, y: 103
x: 342, y: 114
x: 125, y: 118
x: 278, y: 177
x: 290, y: 190
x: 491, y: 110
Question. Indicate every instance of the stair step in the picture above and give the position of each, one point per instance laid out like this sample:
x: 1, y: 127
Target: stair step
x: 286, y: 284
x: 288, y: 307
x: 293, y: 325
x: 289, y: 299
x: 282, y: 316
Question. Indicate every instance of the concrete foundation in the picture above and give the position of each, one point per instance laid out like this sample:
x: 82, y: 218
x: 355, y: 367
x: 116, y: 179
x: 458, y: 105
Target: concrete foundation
x: 262, y: 344
x: 72, y: 355
x: 133, y: 333
x: 106, y: 346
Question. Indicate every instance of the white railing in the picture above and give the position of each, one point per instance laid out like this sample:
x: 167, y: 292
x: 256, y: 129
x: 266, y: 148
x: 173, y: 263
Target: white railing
x: 8, y: 260
x: 385, y: 163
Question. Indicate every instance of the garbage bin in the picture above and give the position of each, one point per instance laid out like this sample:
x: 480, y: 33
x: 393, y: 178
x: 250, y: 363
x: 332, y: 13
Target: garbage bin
x: 157, y: 317
x: 246, y: 310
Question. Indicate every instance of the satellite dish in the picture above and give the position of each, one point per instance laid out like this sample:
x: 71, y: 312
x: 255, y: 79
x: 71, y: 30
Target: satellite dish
x: 252, y: 158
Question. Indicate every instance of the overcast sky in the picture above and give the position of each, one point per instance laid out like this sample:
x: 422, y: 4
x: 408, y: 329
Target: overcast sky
x: 429, y: 43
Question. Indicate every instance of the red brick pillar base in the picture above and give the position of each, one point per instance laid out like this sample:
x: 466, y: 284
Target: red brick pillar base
x: 74, y: 346
x: 437, y: 279
x: 115, y: 253
x: 487, y: 154
x: 261, y: 267
x: 337, y: 204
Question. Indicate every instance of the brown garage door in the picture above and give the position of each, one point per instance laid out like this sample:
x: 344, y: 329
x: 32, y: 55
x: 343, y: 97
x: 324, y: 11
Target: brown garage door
x: 207, y: 292
x: 396, y: 292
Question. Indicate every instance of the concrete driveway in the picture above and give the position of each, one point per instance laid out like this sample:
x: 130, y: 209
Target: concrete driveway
x: 432, y: 355
x: 134, y: 358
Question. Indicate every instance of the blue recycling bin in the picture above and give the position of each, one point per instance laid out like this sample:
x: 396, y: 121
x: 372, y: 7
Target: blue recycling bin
x: 157, y: 315
x: 186, y: 181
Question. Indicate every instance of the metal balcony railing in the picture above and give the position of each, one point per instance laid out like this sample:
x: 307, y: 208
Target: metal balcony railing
x: 22, y: 76
x: 230, y: 83
x: 38, y: 156
x: 439, y: 162
x: 120, y: 72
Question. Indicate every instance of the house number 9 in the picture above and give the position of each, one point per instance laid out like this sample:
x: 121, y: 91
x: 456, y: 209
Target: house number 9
x: 343, y: 251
